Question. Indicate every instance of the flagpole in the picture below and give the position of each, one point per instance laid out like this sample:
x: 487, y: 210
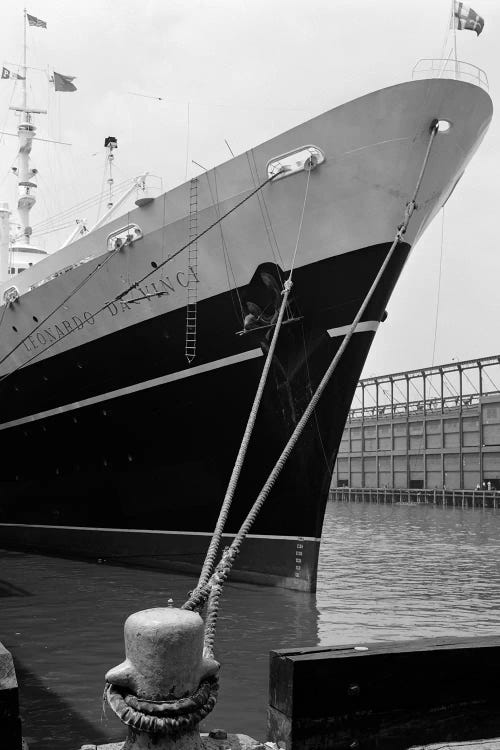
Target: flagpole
x: 457, y: 75
x: 25, y: 67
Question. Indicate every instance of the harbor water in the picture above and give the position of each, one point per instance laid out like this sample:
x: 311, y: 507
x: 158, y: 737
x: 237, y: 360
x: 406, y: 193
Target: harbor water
x: 386, y: 572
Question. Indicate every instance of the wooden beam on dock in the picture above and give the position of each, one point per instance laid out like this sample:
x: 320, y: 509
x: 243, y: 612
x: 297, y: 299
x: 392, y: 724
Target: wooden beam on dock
x: 10, y: 722
x: 386, y: 695
x: 477, y: 745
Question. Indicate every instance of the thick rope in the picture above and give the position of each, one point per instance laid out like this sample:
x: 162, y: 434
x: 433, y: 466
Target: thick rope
x: 163, y: 717
x: 210, y: 558
x: 211, y: 555
x: 200, y: 595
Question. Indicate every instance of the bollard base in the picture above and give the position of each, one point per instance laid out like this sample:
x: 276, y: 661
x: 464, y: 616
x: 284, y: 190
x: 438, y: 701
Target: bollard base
x: 232, y: 742
x: 188, y: 740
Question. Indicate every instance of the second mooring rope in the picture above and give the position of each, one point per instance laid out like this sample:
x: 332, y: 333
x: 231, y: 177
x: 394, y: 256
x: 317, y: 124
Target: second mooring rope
x: 212, y: 589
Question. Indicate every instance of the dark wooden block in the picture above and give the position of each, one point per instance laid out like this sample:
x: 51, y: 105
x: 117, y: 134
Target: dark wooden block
x: 10, y: 723
x: 391, y: 695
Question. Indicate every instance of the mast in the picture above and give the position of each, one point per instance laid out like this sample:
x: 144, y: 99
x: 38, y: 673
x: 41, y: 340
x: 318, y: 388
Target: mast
x: 26, y: 130
x: 25, y: 67
x: 4, y: 241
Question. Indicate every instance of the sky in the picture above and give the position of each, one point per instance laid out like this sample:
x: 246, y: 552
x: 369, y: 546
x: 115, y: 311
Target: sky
x: 243, y: 71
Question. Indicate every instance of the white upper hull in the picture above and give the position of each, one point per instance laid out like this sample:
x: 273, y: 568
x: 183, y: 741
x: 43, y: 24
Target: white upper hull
x: 374, y: 148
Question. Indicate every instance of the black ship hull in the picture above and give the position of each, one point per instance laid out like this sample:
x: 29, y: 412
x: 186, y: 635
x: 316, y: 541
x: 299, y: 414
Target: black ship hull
x: 135, y: 468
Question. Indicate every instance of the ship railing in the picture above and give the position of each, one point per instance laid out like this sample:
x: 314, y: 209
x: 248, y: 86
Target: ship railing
x: 450, y: 68
x: 402, y: 496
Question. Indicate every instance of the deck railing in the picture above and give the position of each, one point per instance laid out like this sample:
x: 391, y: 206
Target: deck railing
x: 449, y: 68
x: 452, y: 498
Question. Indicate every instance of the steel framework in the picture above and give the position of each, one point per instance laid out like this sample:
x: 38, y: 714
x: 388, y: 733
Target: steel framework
x: 428, y: 390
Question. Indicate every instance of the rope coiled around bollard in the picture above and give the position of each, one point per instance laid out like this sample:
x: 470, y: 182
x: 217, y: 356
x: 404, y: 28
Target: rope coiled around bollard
x: 163, y: 717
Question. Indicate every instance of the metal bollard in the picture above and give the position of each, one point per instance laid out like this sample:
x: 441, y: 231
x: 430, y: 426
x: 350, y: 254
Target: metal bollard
x: 166, y: 685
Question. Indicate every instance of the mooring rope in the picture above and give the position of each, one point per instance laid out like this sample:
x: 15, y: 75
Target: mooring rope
x: 203, y: 593
x: 163, y: 717
x: 209, y: 563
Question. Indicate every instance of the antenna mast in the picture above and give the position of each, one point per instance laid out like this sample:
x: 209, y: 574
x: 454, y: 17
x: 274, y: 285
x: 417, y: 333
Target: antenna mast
x: 110, y: 143
x: 25, y: 174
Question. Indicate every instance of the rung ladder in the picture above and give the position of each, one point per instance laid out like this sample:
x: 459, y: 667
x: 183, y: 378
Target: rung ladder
x: 192, y: 273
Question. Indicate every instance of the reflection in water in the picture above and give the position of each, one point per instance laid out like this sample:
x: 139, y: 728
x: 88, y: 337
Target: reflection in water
x: 386, y: 572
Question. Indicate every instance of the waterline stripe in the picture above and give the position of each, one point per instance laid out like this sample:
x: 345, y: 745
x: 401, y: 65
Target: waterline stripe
x: 364, y: 325
x: 180, y: 375
x: 160, y: 531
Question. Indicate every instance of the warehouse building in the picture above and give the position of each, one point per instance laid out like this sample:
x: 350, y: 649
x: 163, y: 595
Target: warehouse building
x: 437, y: 427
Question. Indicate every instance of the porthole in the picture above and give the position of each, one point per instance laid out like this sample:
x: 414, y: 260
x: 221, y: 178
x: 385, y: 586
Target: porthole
x: 443, y: 126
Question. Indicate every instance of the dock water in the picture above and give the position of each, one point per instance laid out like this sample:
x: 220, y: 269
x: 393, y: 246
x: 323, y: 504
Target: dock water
x: 387, y: 572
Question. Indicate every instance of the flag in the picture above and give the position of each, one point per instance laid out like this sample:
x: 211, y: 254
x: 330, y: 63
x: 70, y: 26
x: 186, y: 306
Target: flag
x: 63, y: 83
x: 6, y: 73
x: 33, y: 21
x: 466, y: 18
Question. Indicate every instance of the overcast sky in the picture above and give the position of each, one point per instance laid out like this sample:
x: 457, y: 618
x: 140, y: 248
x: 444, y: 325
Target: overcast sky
x: 250, y: 69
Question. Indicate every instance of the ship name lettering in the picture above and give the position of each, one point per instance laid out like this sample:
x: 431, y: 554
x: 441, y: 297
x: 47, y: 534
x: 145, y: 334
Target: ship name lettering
x: 47, y: 336
x: 27, y: 341
x: 164, y: 285
x: 112, y: 309
x: 167, y: 285
x: 62, y: 329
